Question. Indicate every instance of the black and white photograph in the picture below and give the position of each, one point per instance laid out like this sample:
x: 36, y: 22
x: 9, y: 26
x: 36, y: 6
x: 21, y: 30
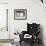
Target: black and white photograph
x: 22, y: 22
x: 20, y: 14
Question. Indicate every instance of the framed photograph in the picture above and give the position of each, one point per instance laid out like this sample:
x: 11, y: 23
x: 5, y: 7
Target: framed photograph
x: 20, y: 14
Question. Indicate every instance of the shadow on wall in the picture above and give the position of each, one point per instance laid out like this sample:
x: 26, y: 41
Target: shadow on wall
x: 41, y: 34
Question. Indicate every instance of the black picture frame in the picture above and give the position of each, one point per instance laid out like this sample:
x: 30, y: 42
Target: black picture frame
x: 22, y: 14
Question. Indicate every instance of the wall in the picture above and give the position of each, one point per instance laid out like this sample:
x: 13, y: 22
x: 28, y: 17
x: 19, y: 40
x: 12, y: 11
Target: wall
x: 3, y: 34
x: 3, y: 1
x: 35, y: 13
x: 3, y: 21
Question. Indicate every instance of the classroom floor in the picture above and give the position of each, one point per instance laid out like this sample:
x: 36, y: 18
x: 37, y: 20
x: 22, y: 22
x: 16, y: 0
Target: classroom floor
x: 23, y: 44
x: 6, y: 44
x: 26, y: 44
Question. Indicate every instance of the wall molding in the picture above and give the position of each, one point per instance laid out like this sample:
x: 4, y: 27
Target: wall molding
x: 3, y: 3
